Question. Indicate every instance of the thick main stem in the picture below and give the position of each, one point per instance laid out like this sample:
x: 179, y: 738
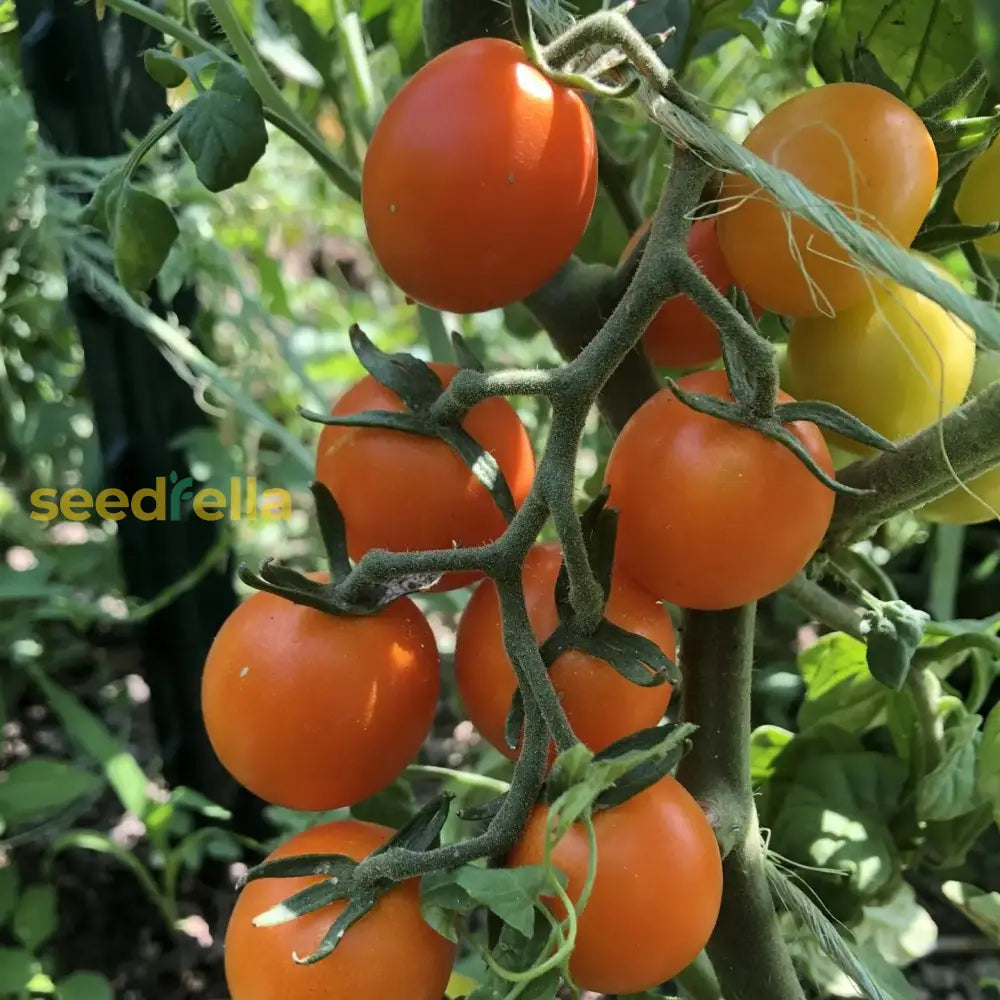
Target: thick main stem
x: 746, y: 948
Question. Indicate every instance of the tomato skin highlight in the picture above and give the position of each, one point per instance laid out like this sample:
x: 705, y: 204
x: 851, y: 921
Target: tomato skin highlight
x: 479, y: 180
x: 403, y: 492
x: 315, y: 711
x: 816, y: 136
x: 657, y: 891
x: 390, y: 953
x: 713, y: 515
x: 681, y: 336
x: 978, y: 198
x: 898, y: 361
x: 601, y: 705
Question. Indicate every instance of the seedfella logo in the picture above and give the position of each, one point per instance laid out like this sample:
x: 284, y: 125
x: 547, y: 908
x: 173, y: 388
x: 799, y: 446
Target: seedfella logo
x: 168, y: 499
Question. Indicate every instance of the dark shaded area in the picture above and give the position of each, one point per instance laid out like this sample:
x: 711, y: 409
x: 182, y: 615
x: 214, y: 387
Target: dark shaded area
x: 89, y: 89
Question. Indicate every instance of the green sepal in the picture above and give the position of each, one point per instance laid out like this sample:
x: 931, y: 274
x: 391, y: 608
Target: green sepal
x: 464, y: 354
x: 865, y: 67
x: 421, y: 833
x: 952, y: 135
x: 483, y: 812
x: 411, y: 379
x: 308, y: 900
x: 948, y: 236
x: 834, y: 418
x: 353, y: 912
x: 338, y: 866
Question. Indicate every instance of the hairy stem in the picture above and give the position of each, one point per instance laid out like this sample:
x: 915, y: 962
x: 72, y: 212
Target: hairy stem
x: 746, y: 947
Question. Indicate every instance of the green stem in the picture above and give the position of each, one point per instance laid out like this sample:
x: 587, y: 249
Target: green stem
x: 170, y: 27
x: 352, y: 48
x: 823, y: 606
x: 149, y: 140
x: 617, y: 180
x: 468, y: 778
x: 746, y: 947
x: 947, y: 548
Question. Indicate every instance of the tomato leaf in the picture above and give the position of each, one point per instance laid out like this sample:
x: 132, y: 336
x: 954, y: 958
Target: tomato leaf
x: 987, y: 29
x: 38, y: 787
x: 100, y: 211
x: 946, y: 237
x: 950, y: 790
x: 35, y: 916
x: 920, y: 45
x: 393, y: 806
x: 518, y: 953
x: 17, y: 968
x: 840, y: 690
x: 988, y: 762
x: 15, y: 118
x: 726, y: 15
x: 144, y: 232
x: 510, y: 893
x: 766, y: 744
x: 223, y: 130
x: 84, y: 986
x: 979, y: 906
x: 9, y: 884
x: 893, y: 633
x: 166, y: 69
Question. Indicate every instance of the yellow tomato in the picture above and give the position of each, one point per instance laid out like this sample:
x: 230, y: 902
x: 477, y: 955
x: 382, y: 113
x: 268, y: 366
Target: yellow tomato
x: 978, y: 199
x: 898, y: 361
x: 959, y: 506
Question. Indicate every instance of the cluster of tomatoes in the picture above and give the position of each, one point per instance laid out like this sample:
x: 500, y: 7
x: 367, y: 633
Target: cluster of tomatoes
x: 475, y: 209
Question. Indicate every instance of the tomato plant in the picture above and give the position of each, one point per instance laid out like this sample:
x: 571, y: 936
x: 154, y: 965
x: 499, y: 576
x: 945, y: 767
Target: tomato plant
x: 376, y: 473
x: 681, y: 335
x: 898, y: 361
x: 316, y: 711
x: 475, y: 151
x: 585, y: 685
x: 855, y: 144
x: 691, y: 487
x: 392, y: 952
x: 656, y: 893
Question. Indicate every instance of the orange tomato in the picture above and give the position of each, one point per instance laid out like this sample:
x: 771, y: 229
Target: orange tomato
x: 403, y: 492
x: 317, y: 711
x: 586, y: 685
x: 479, y: 180
x: 390, y: 952
x: 713, y: 514
x: 855, y: 145
x: 681, y: 335
x: 656, y: 894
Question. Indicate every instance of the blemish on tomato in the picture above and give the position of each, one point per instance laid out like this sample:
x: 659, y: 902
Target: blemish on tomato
x: 244, y: 672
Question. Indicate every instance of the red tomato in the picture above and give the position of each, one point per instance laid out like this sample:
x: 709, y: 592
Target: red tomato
x: 857, y: 146
x: 390, y: 952
x: 317, y: 711
x: 657, y: 891
x: 479, y: 180
x: 681, y: 335
x: 585, y: 684
x: 402, y: 492
x: 712, y: 514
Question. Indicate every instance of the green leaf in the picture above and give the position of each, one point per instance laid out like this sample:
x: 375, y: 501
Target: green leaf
x: 441, y: 897
x: 9, y: 880
x: 987, y: 28
x: 167, y: 70
x: 38, y: 787
x: 893, y: 633
x: 406, y: 33
x: 15, y: 118
x: 91, y: 735
x: 766, y: 743
x: 509, y: 892
x: 223, y: 130
x: 988, y: 762
x: 920, y: 45
x: 84, y: 986
x: 17, y: 968
x: 393, y: 806
x: 144, y: 232
x: 950, y: 791
x: 978, y: 905
x: 840, y: 690
x: 725, y: 15
x: 100, y: 211
x: 36, y: 915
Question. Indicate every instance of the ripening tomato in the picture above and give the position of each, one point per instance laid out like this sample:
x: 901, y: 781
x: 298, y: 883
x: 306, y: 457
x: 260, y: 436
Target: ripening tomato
x: 681, y: 335
x: 403, y: 492
x: 479, y: 180
x: 958, y: 506
x: 656, y: 894
x: 855, y: 145
x: 601, y: 705
x: 713, y: 514
x: 978, y: 198
x: 898, y: 361
x: 390, y: 953
x: 316, y: 711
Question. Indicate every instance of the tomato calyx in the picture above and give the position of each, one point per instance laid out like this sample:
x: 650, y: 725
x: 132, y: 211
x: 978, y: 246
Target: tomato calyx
x: 772, y: 423
x: 636, y: 658
x: 419, y: 388
x: 332, y: 597
x: 343, y: 878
